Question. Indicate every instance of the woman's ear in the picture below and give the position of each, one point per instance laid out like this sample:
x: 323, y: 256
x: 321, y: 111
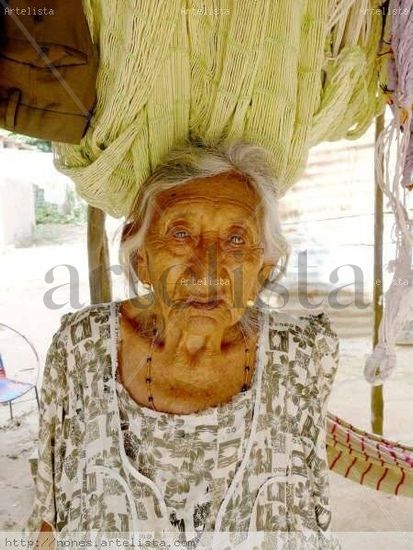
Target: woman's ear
x: 266, y: 270
x: 140, y: 264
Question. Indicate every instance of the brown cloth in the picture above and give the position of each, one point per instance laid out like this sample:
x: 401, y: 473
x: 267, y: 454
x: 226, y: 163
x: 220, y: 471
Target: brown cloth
x: 48, y: 67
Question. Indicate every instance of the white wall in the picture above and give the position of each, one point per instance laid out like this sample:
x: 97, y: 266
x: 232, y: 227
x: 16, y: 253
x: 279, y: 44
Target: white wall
x: 16, y: 213
x: 19, y: 170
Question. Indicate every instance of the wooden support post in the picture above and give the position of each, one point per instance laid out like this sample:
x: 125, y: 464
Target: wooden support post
x: 377, y: 403
x: 98, y: 256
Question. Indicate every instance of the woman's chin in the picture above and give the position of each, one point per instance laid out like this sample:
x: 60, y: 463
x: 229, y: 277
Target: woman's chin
x: 200, y: 319
x: 204, y: 316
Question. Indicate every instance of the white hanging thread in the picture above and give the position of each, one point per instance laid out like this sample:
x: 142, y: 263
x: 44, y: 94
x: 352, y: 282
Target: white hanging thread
x: 398, y: 299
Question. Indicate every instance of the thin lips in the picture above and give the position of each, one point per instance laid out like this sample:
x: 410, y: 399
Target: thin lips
x: 205, y: 305
x: 204, y: 301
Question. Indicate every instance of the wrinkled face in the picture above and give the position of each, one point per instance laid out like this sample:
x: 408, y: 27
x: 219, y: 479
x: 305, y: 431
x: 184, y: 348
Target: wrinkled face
x: 203, y: 252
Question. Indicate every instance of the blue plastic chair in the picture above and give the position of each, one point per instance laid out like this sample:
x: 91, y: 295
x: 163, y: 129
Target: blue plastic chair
x: 11, y: 389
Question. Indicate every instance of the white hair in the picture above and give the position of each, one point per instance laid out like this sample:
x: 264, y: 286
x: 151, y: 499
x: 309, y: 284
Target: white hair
x: 197, y: 159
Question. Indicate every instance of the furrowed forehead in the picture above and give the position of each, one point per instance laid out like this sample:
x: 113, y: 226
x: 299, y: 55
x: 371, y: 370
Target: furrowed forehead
x: 223, y: 189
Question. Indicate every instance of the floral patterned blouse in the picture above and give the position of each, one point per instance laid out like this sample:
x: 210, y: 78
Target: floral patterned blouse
x: 191, y: 457
x: 256, y: 465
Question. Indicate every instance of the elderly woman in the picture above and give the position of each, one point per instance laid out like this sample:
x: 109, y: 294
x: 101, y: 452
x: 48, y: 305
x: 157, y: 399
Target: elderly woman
x: 194, y: 409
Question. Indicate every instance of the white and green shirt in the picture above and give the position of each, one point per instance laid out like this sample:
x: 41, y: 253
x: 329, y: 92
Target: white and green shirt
x: 255, y: 464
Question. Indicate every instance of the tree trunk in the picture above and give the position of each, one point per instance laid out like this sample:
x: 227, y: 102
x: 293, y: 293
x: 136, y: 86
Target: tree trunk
x: 98, y: 256
x: 377, y: 404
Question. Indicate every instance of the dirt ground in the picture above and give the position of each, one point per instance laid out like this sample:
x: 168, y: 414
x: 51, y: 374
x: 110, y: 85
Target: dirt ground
x: 371, y: 519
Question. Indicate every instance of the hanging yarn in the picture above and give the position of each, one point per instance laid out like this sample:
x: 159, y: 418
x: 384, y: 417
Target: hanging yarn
x: 400, y: 76
x: 393, y: 176
x: 398, y: 309
x: 285, y: 75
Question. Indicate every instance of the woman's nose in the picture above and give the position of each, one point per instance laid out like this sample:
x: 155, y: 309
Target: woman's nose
x: 205, y: 257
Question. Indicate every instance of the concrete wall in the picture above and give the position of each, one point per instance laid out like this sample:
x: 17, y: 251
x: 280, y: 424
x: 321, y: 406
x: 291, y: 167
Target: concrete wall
x: 17, y: 217
x: 20, y: 170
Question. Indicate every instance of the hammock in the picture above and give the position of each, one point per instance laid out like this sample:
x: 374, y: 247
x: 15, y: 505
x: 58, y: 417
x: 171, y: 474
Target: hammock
x: 284, y: 77
x: 368, y: 459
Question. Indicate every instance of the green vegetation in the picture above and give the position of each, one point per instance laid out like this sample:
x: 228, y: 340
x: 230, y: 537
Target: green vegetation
x: 40, y: 144
x: 75, y: 211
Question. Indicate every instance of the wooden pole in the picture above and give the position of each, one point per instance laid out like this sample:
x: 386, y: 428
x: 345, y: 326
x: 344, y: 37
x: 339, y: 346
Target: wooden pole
x: 98, y: 256
x: 377, y: 403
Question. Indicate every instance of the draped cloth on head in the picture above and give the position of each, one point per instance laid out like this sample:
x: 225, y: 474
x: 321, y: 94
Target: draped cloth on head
x: 285, y: 75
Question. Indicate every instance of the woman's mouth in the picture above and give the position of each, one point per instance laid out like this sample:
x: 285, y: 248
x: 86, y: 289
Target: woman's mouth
x: 209, y: 304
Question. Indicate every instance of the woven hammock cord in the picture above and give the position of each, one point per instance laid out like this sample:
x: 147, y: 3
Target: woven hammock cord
x: 368, y: 459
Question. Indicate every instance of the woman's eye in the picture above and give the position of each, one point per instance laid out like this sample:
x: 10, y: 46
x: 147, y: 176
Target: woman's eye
x: 236, y: 239
x: 181, y: 234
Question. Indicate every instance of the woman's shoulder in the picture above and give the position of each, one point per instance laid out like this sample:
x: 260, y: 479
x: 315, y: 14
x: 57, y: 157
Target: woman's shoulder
x: 312, y: 323
x: 80, y: 324
x: 309, y: 346
x: 308, y: 328
x: 98, y: 311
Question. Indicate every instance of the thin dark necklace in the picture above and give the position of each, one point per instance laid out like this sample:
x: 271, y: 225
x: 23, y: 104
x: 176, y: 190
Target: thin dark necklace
x: 247, y: 366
